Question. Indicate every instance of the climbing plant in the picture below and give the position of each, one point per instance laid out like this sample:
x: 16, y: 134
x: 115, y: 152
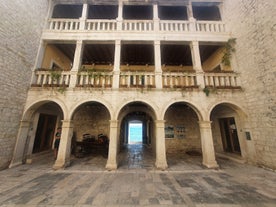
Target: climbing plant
x: 228, y: 51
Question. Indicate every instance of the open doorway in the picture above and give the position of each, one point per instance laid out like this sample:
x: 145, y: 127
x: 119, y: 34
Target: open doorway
x: 135, y: 132
x: 229, y: 134
x: 45, y: 132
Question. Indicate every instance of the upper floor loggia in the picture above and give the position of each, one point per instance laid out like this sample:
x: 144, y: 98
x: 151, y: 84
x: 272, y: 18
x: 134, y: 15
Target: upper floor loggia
x: 126, y: 19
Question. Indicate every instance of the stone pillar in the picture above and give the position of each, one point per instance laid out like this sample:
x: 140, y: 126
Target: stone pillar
x: 157, y: 62
x: 161, y: 160
x: 194, y: 45
x: 32, y: 133
x: 21, y: 145
x: 38, y: 60
x: 112, y: 151
x: 117, y: 63
x: 120, y: 16
x: 77, y: 63
x: 156, y: 19
x: 207, y: 145
x: 190, y: 10
x: 84, y: 16
x: 64, y: 151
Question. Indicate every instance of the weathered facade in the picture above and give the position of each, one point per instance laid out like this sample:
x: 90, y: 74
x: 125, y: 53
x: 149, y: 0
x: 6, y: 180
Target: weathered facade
x: 103, y: 64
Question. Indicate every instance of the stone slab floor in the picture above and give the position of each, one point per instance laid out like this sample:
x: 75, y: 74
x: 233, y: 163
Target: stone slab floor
x: 136, y: 183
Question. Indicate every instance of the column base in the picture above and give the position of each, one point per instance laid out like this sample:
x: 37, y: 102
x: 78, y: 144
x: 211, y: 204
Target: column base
x: 161, y: 165
x: 211, y: 165
x: 111, y: 166
x: 61, y: 164
x: 15, y: 164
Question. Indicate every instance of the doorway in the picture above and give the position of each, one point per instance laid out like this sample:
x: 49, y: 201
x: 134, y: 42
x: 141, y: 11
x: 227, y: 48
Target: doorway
x: 230, y: 139
x: 135, y: 132
x: 45, y: 133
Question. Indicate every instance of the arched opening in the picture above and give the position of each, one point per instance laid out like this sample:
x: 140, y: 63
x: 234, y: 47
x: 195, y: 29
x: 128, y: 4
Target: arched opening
x: 91, y: 135
x: 227, y: 123
x: 182, y: 135
x: 37, y: 135
x: 136, y: 136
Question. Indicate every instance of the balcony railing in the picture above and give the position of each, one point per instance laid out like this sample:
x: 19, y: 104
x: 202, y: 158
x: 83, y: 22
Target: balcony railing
x: 101, y: 25
x: 46, y: 79
x: 136, y: 25
x: 129, y: 79
x: 64, y: 24
x: 94, y: 79
x: 174, y: 26
x: 210, y: 26
x: 222, y: 80
x: 137, y: 80
x: 179, y: 80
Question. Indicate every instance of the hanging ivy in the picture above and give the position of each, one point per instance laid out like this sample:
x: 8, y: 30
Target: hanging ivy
x: 228, y: 51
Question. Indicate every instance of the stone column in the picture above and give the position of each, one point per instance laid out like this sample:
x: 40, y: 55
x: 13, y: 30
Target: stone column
x: 161, y: 160
x: 21, y: 145
x: 156, y: 19
x: 64, y: 151
x: 112, y: 151
x: 38, y: 60
x: 157, y: 62
x: 207, y: 145
x: 194, y: 45
x: 190, y: 10
x: 120, y: 16
x: 77, y: 63
x: 84, y: 16
x: 117, y: 63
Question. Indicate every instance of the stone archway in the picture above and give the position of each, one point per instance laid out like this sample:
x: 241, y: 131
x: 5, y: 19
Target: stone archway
x: 228, y: 121
x: 182, y: 133
x: 142, y: 153
x: 37, y: 129
x: 91, y: 132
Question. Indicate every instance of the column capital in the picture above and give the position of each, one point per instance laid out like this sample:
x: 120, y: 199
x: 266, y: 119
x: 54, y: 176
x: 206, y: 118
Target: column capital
x: 157, y: 42
x: 67, y: 123
x: 113, y: 123
x: 79, y: 42
x: 205, y: 124
x: 160, y: 123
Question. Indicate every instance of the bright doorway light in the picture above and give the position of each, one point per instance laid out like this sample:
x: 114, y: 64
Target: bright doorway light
x: 135, y: 130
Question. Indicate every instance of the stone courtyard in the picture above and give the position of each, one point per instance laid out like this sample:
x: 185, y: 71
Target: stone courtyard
x: 136, y: 182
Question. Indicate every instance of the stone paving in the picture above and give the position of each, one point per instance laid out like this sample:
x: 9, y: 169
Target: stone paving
x: 137, y: 183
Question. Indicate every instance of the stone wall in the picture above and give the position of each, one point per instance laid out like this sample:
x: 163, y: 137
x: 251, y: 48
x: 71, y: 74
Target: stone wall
x: 20, y: 30
x: 186, y: 130
x: 253, y: 23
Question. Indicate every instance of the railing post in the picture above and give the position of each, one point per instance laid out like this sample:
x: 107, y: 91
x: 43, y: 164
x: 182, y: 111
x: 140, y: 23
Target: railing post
x: 116, y: 69
x: 76, y: 63
x: 84, y: 16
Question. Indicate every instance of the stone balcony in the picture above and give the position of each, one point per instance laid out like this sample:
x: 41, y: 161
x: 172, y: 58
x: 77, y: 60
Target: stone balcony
x: 204, y: 29
x: 135, y: 79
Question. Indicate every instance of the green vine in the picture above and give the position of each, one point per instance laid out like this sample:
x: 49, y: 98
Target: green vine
x: 206, y: 90
x: 55, y: 75
x: 228, y: 50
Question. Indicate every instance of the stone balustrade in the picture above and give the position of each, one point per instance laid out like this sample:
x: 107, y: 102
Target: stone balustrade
x: 179, y: 80
x: 136, y: 79
x: 48, y: 78
x: 210, y: 26
x: 95, y: 79
x: 136, y: 25
x: 222, y: 80
x: 64, y: 24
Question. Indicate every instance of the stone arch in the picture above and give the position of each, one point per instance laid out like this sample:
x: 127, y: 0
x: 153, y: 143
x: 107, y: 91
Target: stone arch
x: 102, y: 102
x: 192, y: 105
x: 37, y: 128
x: 31, y: 108
x: 152, y: 107
x: 228, y: 128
